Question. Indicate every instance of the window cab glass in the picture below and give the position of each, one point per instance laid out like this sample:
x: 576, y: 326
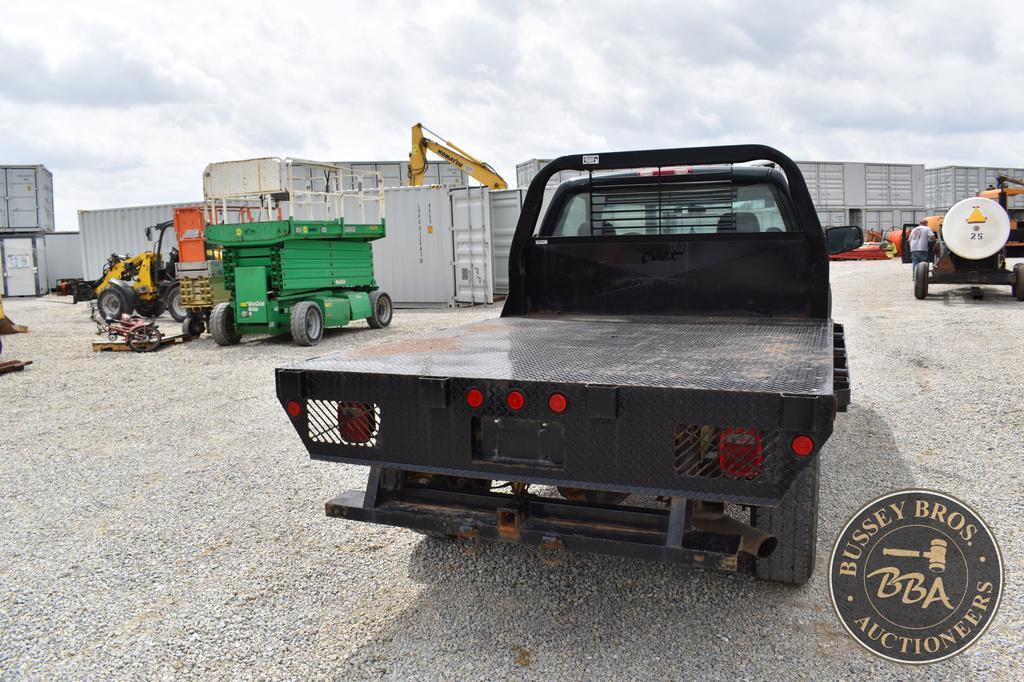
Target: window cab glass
x: 625, y: 209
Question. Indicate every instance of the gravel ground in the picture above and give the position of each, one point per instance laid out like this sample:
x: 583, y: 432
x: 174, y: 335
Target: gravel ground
x: 159, y: 518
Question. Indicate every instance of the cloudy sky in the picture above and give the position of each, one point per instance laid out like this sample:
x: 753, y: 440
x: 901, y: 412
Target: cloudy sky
x: 127, y: 102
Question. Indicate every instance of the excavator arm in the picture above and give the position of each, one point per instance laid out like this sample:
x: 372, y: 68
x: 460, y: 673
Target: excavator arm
x: 450, y: 152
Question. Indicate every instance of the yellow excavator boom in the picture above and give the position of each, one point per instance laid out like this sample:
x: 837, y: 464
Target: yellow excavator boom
x: 479, y: 170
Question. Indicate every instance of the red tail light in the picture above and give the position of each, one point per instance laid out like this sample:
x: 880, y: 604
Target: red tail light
x: 802, y: 445
x: 557, y: 403
x: 474, y: 398
x: 515, y: 400
x: 294, y: 408
x: 357, y: 422
x: 740, y: 452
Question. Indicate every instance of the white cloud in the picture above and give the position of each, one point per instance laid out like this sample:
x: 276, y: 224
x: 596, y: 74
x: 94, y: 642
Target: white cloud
x: 127, y: 103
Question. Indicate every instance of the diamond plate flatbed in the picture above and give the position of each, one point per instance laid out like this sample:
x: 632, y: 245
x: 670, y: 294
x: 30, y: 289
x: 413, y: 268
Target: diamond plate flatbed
x: 792, y: 356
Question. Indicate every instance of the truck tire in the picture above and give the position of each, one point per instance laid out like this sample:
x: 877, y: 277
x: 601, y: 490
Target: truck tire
x: 112, y: 303
x: 172, y: 301
x: 383, y: 310
x: 921, y: 281
x: 222, y: 325
x: 795, y: 523
x: 307, y: 323
x: 1017, y: 283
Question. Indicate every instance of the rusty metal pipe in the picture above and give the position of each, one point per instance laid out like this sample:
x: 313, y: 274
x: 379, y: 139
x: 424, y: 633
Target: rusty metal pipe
x: 754, y: 542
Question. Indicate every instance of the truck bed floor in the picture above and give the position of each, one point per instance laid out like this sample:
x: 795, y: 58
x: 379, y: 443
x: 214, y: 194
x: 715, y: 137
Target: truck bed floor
x: 701, y: 353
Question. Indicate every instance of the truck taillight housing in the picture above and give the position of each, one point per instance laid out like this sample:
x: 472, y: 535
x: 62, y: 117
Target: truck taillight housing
x: 515, y: 400
x: 294, y: 408
x: 802, y: 445
x: 357, y: 422
x: 474, y: 397
x: 740, y: 452
x: 557, y: 403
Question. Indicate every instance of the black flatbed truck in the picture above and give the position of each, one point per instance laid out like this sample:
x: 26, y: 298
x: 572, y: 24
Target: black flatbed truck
x: 667, y: 336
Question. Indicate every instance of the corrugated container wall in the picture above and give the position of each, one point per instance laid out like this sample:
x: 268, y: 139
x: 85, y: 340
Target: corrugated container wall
x: 413, y: 263
x: 860, y: 185
x: 506, y: 205
x: 26, y: 199
x: 949, y: 184
x: 395, y: 173
x: 527, y: 170
x: 471, y: 232
x: 121, y: 231
x: 23, y: 264
x: 63, y: 257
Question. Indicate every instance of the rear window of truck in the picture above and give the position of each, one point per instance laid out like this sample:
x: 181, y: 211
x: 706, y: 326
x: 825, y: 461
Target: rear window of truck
x: 670, y: 208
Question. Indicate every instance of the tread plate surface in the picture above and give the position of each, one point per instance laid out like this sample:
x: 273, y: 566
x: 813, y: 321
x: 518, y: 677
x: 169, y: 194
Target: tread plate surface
x: 722, y: 354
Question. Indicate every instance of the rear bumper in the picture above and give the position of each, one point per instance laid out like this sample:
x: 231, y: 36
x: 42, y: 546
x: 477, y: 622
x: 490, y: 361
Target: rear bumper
x: 972, y: 277
x: 677, y: 534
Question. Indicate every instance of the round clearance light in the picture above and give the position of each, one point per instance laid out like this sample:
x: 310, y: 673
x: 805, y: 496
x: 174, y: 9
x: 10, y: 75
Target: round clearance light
x: 474, y: 397
x: 557, y: 403
x: 294, y: 408
x: 802, y: 445
x: 515, y: 400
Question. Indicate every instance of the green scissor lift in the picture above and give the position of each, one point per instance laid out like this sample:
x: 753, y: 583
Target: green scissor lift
x: 293, y: 275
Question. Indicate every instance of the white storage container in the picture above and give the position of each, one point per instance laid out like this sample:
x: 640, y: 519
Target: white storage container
x: 396, y: 173
x: 23, y: 259
x: 413, y: 262
x: 26, y: 199
x: 63, y: 257
x: 949, y: 184
x: 122, y: 231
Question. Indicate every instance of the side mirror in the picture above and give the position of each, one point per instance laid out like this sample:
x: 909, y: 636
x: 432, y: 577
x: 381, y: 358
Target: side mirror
x: 149, y: 233
x: 842, y: 239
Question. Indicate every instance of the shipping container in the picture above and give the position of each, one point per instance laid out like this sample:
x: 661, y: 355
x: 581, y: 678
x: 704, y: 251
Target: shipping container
x: 121, y: 231
x: 471, y: 233
x: 26, y: 199
x: 446, y: 247
x: 24, y: 264
x: 834, y: 218
x: 852, y: 184
x: 396, y: 173
x: 414, y: 261
x: 947, y: 185
x: 506, y: 205
x: 63, y: 257
x: 527, y: 170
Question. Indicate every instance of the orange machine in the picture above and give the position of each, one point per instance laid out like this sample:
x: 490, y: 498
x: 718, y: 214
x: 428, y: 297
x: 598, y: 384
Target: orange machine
x: 1001, y: 193
x: 189, y: 227
x: 199, y: 271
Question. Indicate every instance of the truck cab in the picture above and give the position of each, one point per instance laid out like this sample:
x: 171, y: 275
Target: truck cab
x: 659, y: 385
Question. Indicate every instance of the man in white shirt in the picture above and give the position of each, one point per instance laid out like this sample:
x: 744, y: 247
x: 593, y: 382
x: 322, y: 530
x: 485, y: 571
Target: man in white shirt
x: 920, y: 237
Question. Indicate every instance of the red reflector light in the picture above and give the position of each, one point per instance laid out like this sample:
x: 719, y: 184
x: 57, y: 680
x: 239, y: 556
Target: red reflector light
x: 670, y: 170
x: 740, y: 452
x: 474, y: 397
x: 557, y: 403
x: 802, y: 445
x: 515, y: 400
x: 294, y: 408
x: 357, y: 422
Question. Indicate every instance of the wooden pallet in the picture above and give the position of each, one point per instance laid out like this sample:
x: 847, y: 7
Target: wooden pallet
x: 13, y: 365
x: 172, y: 340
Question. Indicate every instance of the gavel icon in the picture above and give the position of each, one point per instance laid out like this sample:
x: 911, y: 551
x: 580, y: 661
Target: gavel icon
x: 936, y: 556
